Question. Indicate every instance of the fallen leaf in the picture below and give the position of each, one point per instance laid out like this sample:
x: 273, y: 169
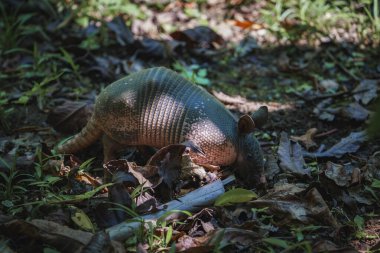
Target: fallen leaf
x: 31, y: 234
x: 245, y: 24
x: 329, y: 85
x: 323, y: 111
x: 200, y: 36
x: 366, y: 91
x: 338, y: 174
x: 234, y: 237
x: 71, y: 116
x: 276, y: 242
x: 355, y: 111
x: 199, y: 223
x: 101, y: 242
x: 307, y: 138
x: 151, y: 48
x: 243, y: 105
x: 271, y: 168
x: 124, y: 36
x: 290, y: 155
x: 289, y: 203
x: 234, y: 196
x: 246, y: 46
x: 328, y: 246
x: 81, y: 219
x: 361, y: 196
x: 371, y: 170
x: 350, y: 144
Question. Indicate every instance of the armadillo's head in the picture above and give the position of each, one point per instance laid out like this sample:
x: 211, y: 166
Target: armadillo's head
x: 249, y: 166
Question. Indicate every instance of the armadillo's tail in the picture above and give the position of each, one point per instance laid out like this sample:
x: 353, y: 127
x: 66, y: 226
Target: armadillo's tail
x: 89, y: 134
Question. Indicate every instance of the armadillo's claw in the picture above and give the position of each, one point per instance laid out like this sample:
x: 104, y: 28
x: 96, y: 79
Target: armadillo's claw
x: 194, y: 147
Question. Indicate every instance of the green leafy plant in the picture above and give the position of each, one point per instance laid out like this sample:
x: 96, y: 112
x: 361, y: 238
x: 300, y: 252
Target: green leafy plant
x: 70, y: 60
x: 295, y: 19
x: 299, y: 232
x: 15, y: 28
x: 194, y: 73
x: 4, y: 111
x: 40, y: 91
x: 11, y: 184
x: 86, y: 11
x: 41, y: 180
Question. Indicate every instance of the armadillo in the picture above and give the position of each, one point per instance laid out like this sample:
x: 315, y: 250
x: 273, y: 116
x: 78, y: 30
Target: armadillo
x: 158, y: 107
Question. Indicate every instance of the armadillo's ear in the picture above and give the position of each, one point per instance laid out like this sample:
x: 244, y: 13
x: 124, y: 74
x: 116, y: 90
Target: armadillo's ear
x: 260, y: 117
x: 246, y: 124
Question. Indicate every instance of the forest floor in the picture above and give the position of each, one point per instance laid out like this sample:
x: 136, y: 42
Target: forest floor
x: 316, y: 69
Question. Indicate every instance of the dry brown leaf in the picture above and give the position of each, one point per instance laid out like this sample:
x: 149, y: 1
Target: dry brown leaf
x: 243, y: 105
x: 294, y: 203
x: 237, y: 238
x: 307, y: 138
x: 338, y: 174
x: 246, y: 24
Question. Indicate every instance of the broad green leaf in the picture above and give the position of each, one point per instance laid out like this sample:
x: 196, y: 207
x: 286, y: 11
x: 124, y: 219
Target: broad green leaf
x: 359, y: 221
x: 375, y: 183
x: 276, y: 242
x: 169, y: 235
x: 237, y: 195
x: 81, y: 219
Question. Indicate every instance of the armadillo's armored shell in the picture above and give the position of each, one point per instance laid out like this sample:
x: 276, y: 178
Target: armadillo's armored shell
x: 158, y: 107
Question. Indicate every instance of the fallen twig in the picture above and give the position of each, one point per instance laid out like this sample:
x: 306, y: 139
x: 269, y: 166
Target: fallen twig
x: 332, y: 57
x: 325, y: 133
x: 190, y: 202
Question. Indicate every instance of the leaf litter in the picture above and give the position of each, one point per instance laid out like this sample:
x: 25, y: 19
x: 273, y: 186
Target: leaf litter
x: 328, y: 189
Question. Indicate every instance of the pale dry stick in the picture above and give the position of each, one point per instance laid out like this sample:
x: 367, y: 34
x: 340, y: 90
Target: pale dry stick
x: 191, y: 202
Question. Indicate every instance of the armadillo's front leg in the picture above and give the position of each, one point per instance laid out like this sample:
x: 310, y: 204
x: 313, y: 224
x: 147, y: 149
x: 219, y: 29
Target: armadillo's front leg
x: 110, y: 148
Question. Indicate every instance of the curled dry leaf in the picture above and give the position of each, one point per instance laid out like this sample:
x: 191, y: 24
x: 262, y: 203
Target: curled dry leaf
x: 328, y: 246
x: 34, y: 233
x: 246, y: 24
x: 354, y: 111
x: 329, y: 85
x: 235, y: 237
x: 190, y: 169
x: 71, y: 116
x: 291, y: 158
x: 271, y: 168
x: 349, y: 144
x: 101, y: 242
x: 366, y: 91
x: 371, y: 170
x: 338, y: 173
x: 361, y: 196
x: 323, y: 111
x: 307, y: 138
x: 124, y: 36
x: 195, y: 225
x: 291, y: 203
x: 152, y: 48
x: 200, y: 36
x: 243, y: 105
